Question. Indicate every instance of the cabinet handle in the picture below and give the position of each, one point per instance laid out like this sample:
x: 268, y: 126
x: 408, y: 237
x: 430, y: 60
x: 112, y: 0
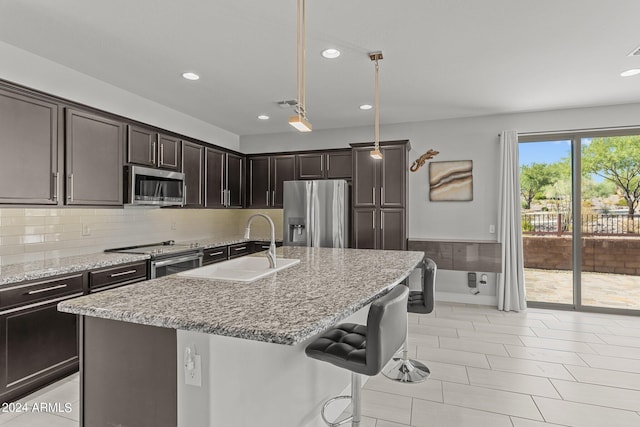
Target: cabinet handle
x: 185, y: 195
x: 216, y: 253
x: 70, y: 194
x: 373, y: 194
x: 267, y: 197
x: 52, y: 288
x: 381, y: 221
x: 161, y: 145
x: 265, y: 246
x: 56, y: 177
x: 153, y: 152
x: 124, y: 273
x: 373, y: 220
x: 381, y: 195
x: 222, y: 197
x: 240, y: 249
x: 228, y: 198
x: 328, y: 163
x: 273, y: 197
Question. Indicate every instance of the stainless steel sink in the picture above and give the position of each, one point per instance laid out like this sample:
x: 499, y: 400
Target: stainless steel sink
x: 245, y: 269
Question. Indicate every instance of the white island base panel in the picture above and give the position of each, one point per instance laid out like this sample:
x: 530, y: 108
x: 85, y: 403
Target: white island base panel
x: 251, y: 383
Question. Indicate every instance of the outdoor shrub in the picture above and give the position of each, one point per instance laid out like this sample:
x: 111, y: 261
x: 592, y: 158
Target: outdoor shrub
x: 527, y: 226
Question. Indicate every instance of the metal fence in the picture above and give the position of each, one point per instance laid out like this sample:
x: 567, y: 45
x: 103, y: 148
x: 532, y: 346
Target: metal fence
x: 591, y: 224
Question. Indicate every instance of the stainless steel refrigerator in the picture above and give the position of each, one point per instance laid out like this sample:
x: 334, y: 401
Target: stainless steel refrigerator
x: 316, y: 213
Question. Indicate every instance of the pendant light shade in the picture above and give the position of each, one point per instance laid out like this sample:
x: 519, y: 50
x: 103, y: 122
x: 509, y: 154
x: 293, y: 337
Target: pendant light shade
x: 376, y: 153
x: 300, y: 121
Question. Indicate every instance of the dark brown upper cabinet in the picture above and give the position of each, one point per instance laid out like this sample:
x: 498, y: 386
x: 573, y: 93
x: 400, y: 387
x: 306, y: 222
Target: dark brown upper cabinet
x: 29, y: 171
x: 265, y: 177
x: 94, y: 147
x: 379, y: 197
x: 328, y: 165
x: 149, y: 148
x: 224, y: 180
x: 193, y: 168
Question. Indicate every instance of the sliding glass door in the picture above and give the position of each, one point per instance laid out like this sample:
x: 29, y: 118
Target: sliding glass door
x: 581, y: 233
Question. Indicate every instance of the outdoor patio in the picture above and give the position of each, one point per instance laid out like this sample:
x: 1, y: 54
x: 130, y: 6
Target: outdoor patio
x: 598, y: 289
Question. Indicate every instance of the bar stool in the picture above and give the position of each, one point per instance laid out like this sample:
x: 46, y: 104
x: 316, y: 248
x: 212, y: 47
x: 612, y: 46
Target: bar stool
x: 406, y: 370
x: 363, y: 349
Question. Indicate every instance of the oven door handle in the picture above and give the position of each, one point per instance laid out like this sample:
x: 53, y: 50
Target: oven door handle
x: 172, y: 261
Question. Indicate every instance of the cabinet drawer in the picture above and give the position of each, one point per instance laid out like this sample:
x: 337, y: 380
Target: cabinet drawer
x: 239, y: 249
x: 213, y: 255
x: 263, y: 246
x: 121, y: 275
x: 33, y: 292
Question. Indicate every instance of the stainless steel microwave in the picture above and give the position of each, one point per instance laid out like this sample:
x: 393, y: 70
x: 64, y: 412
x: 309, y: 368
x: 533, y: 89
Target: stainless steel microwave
x: 154, y: 187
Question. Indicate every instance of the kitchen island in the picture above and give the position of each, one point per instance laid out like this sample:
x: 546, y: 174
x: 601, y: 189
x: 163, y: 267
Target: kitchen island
x: 250, y: 338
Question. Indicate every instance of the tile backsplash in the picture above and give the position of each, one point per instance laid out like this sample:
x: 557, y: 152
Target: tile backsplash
x: 36, y: 234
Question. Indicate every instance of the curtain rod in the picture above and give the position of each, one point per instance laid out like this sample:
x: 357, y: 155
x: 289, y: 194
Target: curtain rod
x: 562, y: 132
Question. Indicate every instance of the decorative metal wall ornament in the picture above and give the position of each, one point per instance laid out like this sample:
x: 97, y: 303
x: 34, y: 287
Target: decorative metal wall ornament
x: 451, y: 181
x: 420, y: 161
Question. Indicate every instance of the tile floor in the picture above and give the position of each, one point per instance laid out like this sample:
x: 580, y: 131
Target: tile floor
x: 489, y: 368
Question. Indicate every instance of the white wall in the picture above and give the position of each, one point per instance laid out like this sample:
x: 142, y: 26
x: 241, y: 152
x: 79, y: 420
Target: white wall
x: 22, y: 67
x: 456, y: 139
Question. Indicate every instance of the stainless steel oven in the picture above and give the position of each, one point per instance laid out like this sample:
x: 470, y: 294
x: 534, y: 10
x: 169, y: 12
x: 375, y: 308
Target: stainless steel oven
x: 166, y: 257
x: 175, y: 264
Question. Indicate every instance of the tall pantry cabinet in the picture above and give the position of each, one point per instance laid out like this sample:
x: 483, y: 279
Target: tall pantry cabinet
x: 379, y: 196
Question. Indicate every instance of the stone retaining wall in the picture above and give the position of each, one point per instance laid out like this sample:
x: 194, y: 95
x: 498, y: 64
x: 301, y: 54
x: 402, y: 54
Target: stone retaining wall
x: 599, y: 254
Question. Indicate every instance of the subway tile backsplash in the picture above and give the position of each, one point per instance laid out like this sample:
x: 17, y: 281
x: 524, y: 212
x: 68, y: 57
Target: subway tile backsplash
x: 37, y: 234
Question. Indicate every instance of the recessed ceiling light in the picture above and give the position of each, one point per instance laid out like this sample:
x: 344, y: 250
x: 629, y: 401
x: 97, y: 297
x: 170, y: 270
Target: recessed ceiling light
x: 366, y: 107
x: 631, y: 72
x: 263, y: 117
x: 331, y: 53
x: 190, y: 76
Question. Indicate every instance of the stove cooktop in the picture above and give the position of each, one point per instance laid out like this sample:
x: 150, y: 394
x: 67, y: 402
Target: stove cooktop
x: 154, y: 249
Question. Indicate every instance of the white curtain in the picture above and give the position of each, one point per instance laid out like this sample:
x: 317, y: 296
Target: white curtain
x: 511, y: 288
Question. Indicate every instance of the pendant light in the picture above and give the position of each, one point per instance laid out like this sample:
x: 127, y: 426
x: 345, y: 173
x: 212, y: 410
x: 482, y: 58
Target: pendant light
x: 299, y: 121
x: 376, y: 153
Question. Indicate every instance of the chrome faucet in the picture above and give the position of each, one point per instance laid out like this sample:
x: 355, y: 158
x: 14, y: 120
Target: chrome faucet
x: 271, y: 253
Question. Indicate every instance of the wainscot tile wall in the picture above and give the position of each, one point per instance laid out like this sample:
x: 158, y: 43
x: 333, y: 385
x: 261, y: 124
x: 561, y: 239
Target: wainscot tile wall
x: 37, y: 234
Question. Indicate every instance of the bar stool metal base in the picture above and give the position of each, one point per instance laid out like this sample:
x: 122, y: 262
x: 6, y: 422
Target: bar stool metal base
x: 356, y: 384
x: 406, y: 371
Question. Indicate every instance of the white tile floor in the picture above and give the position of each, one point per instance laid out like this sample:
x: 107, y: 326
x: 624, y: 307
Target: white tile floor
x: 489, y: 368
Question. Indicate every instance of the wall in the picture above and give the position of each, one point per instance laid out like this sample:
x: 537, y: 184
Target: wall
x: 37, y: 234
x: 474, y: 139
x: 21, y: 67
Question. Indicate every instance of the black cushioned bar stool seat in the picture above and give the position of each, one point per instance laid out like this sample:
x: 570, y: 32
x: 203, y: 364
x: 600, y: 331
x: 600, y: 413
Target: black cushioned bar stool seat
x: 364, y: 349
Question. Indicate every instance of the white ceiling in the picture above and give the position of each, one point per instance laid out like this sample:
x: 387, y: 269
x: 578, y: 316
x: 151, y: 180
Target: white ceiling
x: 442, y: 58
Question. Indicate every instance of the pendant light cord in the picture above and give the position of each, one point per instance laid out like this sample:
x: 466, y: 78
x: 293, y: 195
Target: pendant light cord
x: 377, y: 140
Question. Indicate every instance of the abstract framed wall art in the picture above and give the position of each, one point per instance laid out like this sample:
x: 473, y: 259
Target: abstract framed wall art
x: 451, y: 181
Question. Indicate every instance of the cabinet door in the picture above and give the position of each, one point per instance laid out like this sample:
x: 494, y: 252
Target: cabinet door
x: 141, y: 147
x: 365, y: 230
x: 365, y: 171
x: 392, y: 229
x: 235, y: 181
x: 258, y: 193
x: 29, y: 141
x: 168, y: 152
x: 393, y: 176
x: 192, y: 167
x: 214, y: 179
x: 339, y: 165
x: 283, y: 168
x: 311, y: 166
x: 39, y: 345
x: 94, y: 159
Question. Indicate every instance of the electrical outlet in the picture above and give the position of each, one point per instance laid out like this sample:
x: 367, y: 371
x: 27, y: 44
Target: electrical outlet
x: 492, y: 229
x: 193, y: 373
x: 483, y: 280
x: 86, y: 230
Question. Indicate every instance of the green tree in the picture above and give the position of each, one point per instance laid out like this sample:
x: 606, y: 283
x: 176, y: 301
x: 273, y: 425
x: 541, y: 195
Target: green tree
x: 533, y: 178
x: 616, y: 159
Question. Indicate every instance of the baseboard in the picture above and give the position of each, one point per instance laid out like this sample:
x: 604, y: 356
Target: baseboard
x: 478, y: 299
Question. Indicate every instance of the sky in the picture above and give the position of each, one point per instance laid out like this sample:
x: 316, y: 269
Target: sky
x: 543, y: 152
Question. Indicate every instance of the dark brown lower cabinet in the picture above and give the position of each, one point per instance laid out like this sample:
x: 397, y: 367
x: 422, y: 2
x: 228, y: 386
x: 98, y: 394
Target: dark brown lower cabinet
x: 365, y: 233
x: 40, y: 345
x: 129, y: 375
x: 379, y: 229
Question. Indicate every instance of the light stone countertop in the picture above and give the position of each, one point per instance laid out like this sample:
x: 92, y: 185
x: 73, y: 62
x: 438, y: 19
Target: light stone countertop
x: 15, y: 273
x: 287, y: 307
x: 20, y: 272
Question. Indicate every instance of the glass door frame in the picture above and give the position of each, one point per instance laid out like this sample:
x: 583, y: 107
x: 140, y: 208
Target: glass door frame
x: 576, y: 138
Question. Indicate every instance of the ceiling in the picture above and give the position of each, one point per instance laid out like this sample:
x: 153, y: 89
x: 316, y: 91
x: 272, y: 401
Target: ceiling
x: 442, y: 58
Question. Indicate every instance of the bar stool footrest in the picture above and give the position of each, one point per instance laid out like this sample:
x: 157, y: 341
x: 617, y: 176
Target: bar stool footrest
x: 335, y: 423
